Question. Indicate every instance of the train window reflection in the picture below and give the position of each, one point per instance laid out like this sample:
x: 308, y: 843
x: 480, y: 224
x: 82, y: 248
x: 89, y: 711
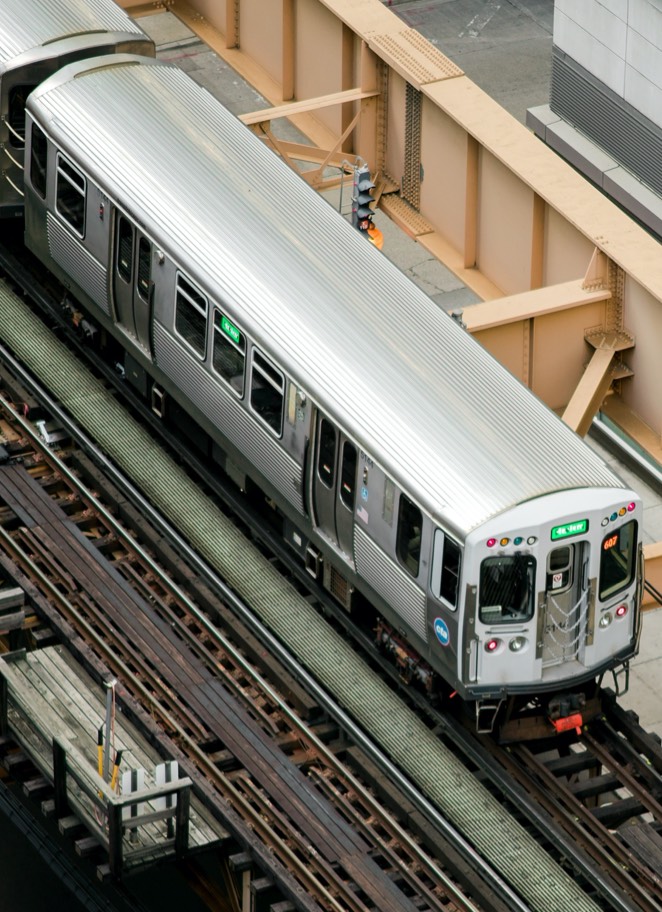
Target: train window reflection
x: 70, y: 195
x: 326, y: 458
x: 348, y: 475
x: 145, y: 268
x: 229, y: 352
x: 446, y: 562
x: 124, y: 248
x: 410, y: 525
x: 191, y: 315
x: 507, y: 588
x: 267, y: 392
x: 618, y: 559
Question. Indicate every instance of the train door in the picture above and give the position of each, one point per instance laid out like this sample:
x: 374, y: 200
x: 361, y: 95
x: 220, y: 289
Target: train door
x: 132, y: 280
x: 334, y: 484
x: 566, y: 603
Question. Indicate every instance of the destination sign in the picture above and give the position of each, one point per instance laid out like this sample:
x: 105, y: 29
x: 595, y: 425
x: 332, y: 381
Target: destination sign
x: 578, y: 527
x: 231, y: 330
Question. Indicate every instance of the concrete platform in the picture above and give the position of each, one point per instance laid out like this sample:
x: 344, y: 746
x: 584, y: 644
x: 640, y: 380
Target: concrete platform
x: 646, y: 675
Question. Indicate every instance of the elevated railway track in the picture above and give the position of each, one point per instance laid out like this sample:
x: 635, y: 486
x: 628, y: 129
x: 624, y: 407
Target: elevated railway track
x: 434, y: 762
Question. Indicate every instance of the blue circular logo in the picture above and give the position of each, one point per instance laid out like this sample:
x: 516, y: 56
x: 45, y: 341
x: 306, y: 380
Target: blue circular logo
x: 442, y: 632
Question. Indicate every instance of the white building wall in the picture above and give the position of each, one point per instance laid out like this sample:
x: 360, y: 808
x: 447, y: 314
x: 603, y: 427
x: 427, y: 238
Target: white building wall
x: 620, y: 43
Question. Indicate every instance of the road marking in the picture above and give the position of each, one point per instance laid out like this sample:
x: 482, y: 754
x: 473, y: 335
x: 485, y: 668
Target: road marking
x: 478, y: 23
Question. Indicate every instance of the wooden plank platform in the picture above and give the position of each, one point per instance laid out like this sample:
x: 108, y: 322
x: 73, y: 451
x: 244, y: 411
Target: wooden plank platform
x: 51, y: 698
x: 219, y: 714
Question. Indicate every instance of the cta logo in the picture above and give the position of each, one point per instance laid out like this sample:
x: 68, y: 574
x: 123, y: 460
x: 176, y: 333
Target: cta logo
x: 442, y: 632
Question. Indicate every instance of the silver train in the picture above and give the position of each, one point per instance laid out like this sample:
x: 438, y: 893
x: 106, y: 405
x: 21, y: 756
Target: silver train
x: 37, y: 38
x: 407, y: 468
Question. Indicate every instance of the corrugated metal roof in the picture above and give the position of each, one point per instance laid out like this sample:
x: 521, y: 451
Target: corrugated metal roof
x: 445, y: 419
x: 27, y: 24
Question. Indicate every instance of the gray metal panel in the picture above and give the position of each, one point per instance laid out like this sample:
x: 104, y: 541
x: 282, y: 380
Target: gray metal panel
x: 69, y: 253
x: 226, y: 412
x: 392, y: 583
x: 448, y: 423
x: 616, y: 126
x: 28, y: 24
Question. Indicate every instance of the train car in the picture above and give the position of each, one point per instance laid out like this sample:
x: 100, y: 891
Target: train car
x: 37, y: 38
x: 408, y: 469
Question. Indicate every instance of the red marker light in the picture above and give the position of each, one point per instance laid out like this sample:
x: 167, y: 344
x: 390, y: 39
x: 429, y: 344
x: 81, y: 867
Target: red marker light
x: 621, y: 611
x: 492, y: 645
x: 491, y: 542
x: 631, y: 507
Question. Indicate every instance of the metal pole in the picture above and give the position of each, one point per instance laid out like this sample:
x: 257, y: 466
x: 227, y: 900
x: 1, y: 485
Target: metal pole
x: 110, y: 693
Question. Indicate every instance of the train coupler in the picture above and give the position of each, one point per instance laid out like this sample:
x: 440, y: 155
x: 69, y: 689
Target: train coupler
x: 565, y: 712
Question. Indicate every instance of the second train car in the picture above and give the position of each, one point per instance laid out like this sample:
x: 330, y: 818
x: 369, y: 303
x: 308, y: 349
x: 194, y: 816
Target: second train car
x: 408, y: 467
x: 37, y: 38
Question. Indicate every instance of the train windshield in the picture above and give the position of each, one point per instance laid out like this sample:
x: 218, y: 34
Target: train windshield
x: 618, y: 560
x: 507, y: 588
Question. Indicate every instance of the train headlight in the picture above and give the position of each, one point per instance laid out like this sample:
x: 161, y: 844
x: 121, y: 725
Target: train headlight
x: 517, y: 644
x: 605, y: 620
x: 621, y: 611
x: 493, y: 645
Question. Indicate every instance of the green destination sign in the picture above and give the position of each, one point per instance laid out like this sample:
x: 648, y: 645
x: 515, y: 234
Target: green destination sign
x: 578, y: 527
x: 231, y: 330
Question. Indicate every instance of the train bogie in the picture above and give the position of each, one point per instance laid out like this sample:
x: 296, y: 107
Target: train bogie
x: 404, y: 463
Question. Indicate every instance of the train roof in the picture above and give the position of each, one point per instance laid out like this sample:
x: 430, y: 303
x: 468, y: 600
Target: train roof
x: 29, y: 24
x: 449, y: 423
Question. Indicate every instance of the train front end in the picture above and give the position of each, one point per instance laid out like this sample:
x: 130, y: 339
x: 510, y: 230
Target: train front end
x: 552, y: 602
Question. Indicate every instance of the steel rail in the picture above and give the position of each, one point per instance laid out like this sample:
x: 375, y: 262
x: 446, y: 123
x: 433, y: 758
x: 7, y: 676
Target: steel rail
x: 499, y: 886
x: 119, y: 667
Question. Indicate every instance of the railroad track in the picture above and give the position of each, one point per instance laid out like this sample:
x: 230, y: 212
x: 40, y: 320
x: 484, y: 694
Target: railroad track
x: 598, y: 884
x: 174, y: 654
x: 603, y: 787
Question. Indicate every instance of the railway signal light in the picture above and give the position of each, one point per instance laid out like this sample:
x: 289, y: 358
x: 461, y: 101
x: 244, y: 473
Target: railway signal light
x: 362, y: 205
x: 362, y: 198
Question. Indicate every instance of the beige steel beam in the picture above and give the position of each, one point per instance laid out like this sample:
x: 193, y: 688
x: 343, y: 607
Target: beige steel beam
x: 531, y: 304
x: 304, y: 107
x: 500, y: 209
x: 591, y: 391
x: 653, y: 562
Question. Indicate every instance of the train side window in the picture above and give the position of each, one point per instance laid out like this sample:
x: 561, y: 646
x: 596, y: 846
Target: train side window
x: 70, y: 194
x: 124, y: 248
x: 18, y: 95
x: 326, y: 455
x: 229, y: 356
x: 145, y: 271
x: 446, y: 559
x: 348, y: 475
x: 191, y: 315
x: 408, y: 542
x: 38, y: 160
x: 267, y: 392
